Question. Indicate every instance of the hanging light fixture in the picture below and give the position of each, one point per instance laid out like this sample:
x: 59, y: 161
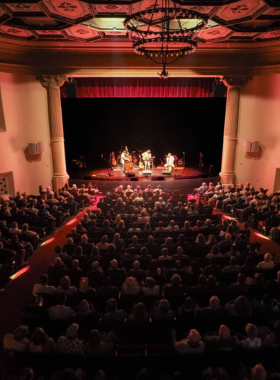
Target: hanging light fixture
x: 165, y: 33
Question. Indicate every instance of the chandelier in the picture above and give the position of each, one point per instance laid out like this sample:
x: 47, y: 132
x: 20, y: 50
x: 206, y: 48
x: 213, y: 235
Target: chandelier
x: 164, y: 32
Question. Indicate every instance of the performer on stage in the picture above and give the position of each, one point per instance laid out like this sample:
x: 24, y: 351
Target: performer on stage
x: 169, y: 162
x: 146, y: 158
x: 123, y: 159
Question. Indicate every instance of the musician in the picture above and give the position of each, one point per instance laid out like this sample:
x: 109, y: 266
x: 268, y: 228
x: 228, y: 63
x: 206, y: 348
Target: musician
x: 123, y: 158
x: 146, y: 158
x: 169, y: 162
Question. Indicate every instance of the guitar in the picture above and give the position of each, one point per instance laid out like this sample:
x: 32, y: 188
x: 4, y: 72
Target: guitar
x: 113, y: 159
x: 145, y: 156
x: 141, y: 165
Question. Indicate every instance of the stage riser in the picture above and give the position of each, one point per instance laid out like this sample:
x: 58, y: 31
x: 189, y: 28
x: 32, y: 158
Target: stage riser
x: 185, y: 184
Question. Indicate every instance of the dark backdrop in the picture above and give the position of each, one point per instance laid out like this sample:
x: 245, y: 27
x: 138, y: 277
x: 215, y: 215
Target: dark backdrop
x: 101, y: 125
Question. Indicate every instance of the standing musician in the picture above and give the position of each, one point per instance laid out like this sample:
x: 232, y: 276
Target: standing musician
x: 169, y: 162
x: 146, y: 158
x: 123, y: 160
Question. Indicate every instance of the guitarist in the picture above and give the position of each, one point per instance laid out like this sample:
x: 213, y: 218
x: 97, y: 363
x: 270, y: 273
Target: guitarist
x: 146, y: 158
x: 123, y: 160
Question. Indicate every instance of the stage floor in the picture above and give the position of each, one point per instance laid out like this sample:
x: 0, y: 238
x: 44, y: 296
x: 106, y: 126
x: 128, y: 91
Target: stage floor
x: 116, y: 174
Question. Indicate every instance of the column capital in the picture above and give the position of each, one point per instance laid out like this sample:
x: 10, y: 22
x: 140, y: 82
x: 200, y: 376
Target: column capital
x: 236, y: 80
x: 52, y: 81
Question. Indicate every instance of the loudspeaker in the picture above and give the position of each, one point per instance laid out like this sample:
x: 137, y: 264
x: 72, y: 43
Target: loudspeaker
x: 246, y: 146
x: 71, y: 89
x: 218, y: 89
x: 255, y: 146
x: 134, y: 179
x: 166, y: 172
x: 147, y: 172
x: 40, y: 147
x: 32, y: 148
x: 131, y: 174
x: 158, y: 178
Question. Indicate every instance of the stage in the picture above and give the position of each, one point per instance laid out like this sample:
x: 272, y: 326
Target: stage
x: 181, y: 177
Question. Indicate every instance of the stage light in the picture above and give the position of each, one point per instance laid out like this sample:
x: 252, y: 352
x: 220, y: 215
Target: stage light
x: 20, y: 272
x: 48, y: 241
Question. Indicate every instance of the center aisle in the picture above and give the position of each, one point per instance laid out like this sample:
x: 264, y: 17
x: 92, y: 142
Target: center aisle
x: 18, y: 290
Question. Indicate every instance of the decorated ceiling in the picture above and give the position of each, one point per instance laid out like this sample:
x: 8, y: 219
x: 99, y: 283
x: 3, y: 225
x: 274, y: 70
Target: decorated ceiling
x: 96, y: 20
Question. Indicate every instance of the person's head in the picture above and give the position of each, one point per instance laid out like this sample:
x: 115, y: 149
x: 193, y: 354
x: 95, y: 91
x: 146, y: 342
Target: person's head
x: 57, y: 261
x: 94, y: 339
x: 150, y: 282
x: 200, y: 239
x: 202, y: 280
x: 194, y: 337
x: 153, y: 266
x: 164, y: 252
x: 134, y: 239
x: 164, y: 306
x: 130, y: 284
x: 224, y: 332
x: 214, y: 303
x: 228, y: 237
x: 258, y: 372
x: 212, y: 281
x: 84, y: 238
x: 168, y: 241
x: 84, y: 307
x: 24, y: 227
x: 114, y: 264
x: 136, y: 265
x: 69, y: 241
x: 39, y: 337
x: 65, y: 283
x: 233, y: 261
x: 268, y: 257
x: 215, y: 250
x: 21, y: 333
x: 111, y: 305
x: 242, y: 306
x: 44, y: 279
x: 251, y: 331
x: 104, y: 239
x: 75, y: 264
x: 176, y: 280
x: 139, y: 311
x: 147, y: 227
x: 241, y: 279
x: 72, y: 331
x: 188, y: 303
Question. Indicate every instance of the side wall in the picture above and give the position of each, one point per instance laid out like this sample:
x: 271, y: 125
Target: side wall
x: 259, y: 119
x: 24, y: 119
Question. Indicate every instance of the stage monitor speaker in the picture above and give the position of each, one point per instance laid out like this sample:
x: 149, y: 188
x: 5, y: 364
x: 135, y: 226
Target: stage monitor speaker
x: 134, y: 179
x: 32, y: 148
x: 166, y: 172
x: 158, y: 178
x: 40, y: 147
x: 218, y: 89
x: 246, y: 146
x: 255, y: 146
x: 147, y: 172
x: 131, y: 174
x: 71, y: 88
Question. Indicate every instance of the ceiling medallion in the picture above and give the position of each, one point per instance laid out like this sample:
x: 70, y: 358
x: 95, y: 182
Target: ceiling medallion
x: 165, y: 33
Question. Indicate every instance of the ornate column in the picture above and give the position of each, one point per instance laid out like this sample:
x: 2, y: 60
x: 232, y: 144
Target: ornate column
x: 233, y: 84
x: 52, y: 84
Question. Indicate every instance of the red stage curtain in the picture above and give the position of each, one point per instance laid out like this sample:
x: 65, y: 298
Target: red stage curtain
x: 143, y: 88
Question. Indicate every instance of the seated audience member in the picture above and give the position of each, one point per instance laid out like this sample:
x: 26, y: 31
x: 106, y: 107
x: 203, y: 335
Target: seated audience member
x: 103, y: 245
x: 268, y: 262
x: 118, y: 242
x: 162, y: 312
x: 144, y: 217
x: 41, y: 342
x: 139, y: 313
x: 233, y: 267
x: 71, y: 344
x: 106, y: 229
x: 151, y: 247
x: 160, y: 227
x: 212, y: 269
x: 69, y: 247
x: 60, y: 311
x: 57, y: 271
x: 153, y: 269
x: 134, y: 244
x: 252, y: 341
x: 172, y: 226
x: 165, y: 256
x: 25, y: 230
x: 168, y: 244
x: 43, y: 287
x: 151, y: 289
x: 192, y: 344
x: 75, y: 273
x: 224, y: 342
x: 98, y: 344
x: 240, y: 307
x: 201, y: 190
x: 18, y: 340
x: 137, y: 272
x: 131, y: 287
x: 225, y: 245
x: 65, y: 287
x: 214, y: 252
x: 14, y: 229
x: 113, y: 315
x: 175, y: 288
x: 240, y: 287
